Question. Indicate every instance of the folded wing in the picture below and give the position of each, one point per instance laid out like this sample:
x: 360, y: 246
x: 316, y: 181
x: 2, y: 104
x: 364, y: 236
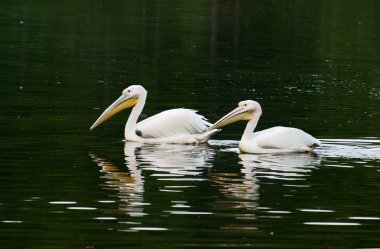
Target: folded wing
x: 284, y: 138
x: 172, y: 123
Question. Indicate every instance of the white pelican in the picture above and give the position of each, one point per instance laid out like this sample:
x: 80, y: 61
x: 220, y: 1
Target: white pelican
x: 183, y: 126
x: 273, y: 140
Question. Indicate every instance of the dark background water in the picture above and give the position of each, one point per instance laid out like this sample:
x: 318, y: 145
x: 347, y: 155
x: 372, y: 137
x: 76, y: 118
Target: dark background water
x: 312, y: 65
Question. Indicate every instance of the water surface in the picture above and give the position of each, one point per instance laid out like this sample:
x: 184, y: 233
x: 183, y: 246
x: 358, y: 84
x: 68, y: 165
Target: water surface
x: 311, y: 65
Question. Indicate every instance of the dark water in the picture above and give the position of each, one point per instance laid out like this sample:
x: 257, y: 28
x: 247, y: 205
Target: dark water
x: 311, y: 65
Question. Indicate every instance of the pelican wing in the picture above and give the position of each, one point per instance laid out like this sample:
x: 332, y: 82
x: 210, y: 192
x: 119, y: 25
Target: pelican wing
x: 283, y: 138
x: 267, y: 138
x: 172, y: 123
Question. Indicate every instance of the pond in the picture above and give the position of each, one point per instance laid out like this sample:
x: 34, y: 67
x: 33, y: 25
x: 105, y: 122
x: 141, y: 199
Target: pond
x: 310, y: 65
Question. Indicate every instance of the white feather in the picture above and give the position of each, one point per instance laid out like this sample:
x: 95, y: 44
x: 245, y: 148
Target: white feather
x: 280, y: 138
x: 173, y: 123
x: 274, y: 140
x: 181, y: 126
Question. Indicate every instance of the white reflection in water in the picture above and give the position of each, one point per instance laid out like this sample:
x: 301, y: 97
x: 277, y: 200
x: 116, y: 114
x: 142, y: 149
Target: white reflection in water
x: 287, y: 166
x: 171, y: 160
x: 128, y: 184
x: 170, y: 163
x: 63, y: 202
x: 364, y: 218
x: 105, y: 218
x: 149, y: 228
x: 296, y: 166
x: 242, y: 194
x: 179, y: 168
x: 12, y: 221
x: 241, y: 190
x: 316, y: 210
x: 332, y: 223
x: 82, y: 208
x: 367, y: 149
x: 363, y: 149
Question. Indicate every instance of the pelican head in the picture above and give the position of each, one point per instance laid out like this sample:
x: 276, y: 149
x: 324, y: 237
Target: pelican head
x: 245, y: 111
x: 127, y: 99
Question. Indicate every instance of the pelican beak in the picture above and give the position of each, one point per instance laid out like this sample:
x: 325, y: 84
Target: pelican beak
x: 240, y: 113
x: 120, y: 104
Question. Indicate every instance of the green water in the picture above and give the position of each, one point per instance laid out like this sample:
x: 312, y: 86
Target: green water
x: 312, y: 65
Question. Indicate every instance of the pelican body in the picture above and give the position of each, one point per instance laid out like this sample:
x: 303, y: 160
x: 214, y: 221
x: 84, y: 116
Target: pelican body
x: 180, y: 125
x: 273, y: 140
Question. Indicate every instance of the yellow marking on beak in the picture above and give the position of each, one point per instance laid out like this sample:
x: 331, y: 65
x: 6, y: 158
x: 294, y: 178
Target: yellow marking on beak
x: 232, y: 117
x: 120, y: 104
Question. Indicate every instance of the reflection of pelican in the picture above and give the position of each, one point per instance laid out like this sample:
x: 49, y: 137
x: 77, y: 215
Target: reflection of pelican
x: 280, y: 166
x: 174, y: 159
x: 241, y: 189
x: 177, y: 165
x: 171, y: 126
x: 273, y: 140
x: 128, y: 184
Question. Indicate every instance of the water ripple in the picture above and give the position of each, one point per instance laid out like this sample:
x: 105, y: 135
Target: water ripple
x: 167, y: 163
x: 363, y: 218
x: 316, y: 223
x: 82, y: 208
x: 187, y: 212
x: 105, y: 218
x: 63, y: 202
x: 12, y: 221
x: 149, y: 228
x: 367, y: 149
x: 316, y: 210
